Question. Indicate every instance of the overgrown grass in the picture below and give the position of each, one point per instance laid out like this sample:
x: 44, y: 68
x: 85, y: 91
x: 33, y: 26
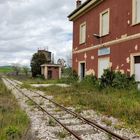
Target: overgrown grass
x: 6, y: 69
x: 120, y: 103
x: 30, y: 80
x: 68, y: 77
x: 14, y: 123
x: 115, y: 94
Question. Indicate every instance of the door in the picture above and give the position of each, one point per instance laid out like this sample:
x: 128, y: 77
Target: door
x: 103, y: 63
x: 49, y: 74
x: 82, y: 70
x: 137, y: 68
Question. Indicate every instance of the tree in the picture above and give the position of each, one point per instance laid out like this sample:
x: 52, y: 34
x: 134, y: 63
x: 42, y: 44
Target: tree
x: 25, y: 70
x: 16, y: 68
x: 38, y: 59
x: 61, y: 62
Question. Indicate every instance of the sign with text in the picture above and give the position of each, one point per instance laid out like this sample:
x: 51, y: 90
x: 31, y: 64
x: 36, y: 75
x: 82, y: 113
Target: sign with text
x: 103, y: 51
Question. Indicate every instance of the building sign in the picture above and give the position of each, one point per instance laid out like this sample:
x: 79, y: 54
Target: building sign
x: 103, y: 51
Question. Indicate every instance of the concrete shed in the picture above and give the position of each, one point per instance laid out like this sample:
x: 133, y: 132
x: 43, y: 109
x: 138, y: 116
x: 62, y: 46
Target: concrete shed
x: 51, y: 71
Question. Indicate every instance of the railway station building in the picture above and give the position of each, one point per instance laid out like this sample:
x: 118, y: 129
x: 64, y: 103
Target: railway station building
x: 106, y: 34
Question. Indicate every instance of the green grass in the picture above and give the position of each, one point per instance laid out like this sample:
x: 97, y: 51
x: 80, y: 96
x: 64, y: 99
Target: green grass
x: 107, y: 121
x: 13, y: 121
x: 29, y: 80
x: 39, y: 81
x: 6, y: 69
x: 122, y: 104
x: 62, y: 135
x: 52, y: 122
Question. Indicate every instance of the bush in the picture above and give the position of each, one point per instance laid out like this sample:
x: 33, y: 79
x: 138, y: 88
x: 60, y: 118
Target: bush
x: 71, y: 77
x: 116, y: 80
x: 123, y: 81
x: 107, y: 78
x: 90, y: 80
x: 40, y: 77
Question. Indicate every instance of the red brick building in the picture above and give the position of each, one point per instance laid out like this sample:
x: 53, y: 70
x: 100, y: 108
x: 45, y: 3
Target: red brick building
x: 106, y: 33
x: 51, y: 71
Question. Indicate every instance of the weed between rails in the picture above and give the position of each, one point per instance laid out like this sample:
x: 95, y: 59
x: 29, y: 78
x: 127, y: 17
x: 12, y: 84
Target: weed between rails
x: 62, y: 134
x: 120, y: 103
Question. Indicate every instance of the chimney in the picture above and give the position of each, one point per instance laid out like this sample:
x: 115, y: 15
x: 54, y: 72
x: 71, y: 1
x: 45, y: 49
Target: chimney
x: 78, y: 3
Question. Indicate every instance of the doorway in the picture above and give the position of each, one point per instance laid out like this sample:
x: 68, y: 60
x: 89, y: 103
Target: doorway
x: 82, y: 70
x: 137, y: 67
x: 49, y: 74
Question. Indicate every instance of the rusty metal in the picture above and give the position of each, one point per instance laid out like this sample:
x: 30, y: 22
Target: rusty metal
x: 65, y: 127
x: 91, y: 123
x: 94, y: 124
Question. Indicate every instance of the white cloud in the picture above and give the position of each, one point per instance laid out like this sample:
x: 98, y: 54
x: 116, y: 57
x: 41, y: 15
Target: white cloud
x: 26, y: 25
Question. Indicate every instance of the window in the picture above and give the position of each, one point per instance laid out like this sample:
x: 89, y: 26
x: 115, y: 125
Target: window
x: 104, y: 23
x: 136, y: 11
x: 82, y: 33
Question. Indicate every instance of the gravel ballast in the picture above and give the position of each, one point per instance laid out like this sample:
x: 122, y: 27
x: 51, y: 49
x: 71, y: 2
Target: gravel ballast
x: 45, y: 128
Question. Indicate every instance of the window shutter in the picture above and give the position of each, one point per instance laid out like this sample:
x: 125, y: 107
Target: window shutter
x: 105, y: 23
x: 82, y: 33
x: 137, y: 11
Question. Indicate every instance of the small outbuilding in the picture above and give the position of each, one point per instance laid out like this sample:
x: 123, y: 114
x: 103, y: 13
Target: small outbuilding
x: 51, y: 71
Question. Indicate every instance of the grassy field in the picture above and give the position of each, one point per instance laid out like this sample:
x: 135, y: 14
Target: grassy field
x: 5, y: 69
x: 13, y: 122
x: 122, y: 104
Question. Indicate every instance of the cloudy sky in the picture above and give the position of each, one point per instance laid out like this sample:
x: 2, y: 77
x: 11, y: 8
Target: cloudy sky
x: 26, y: 25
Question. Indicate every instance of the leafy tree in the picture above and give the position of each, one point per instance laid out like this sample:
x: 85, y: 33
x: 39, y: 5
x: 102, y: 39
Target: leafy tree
x: 25, y: 70
x: 62, y: 62
x: 16, y: 68
x: 38, y: 59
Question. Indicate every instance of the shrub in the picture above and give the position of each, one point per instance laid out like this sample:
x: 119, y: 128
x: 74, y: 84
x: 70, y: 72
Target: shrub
x: 116, y: 80
x: 71, y: 77
x: 40, y: 77
x: 107, y: 78
x: 89, y: 81
x: 122, y: 81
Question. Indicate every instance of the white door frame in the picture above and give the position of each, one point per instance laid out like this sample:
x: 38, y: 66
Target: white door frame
x: 79, y: 68
x: 132, y: 63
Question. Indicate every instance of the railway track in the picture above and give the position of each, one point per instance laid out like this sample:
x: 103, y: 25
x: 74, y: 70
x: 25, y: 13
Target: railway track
x: 91, y: 127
